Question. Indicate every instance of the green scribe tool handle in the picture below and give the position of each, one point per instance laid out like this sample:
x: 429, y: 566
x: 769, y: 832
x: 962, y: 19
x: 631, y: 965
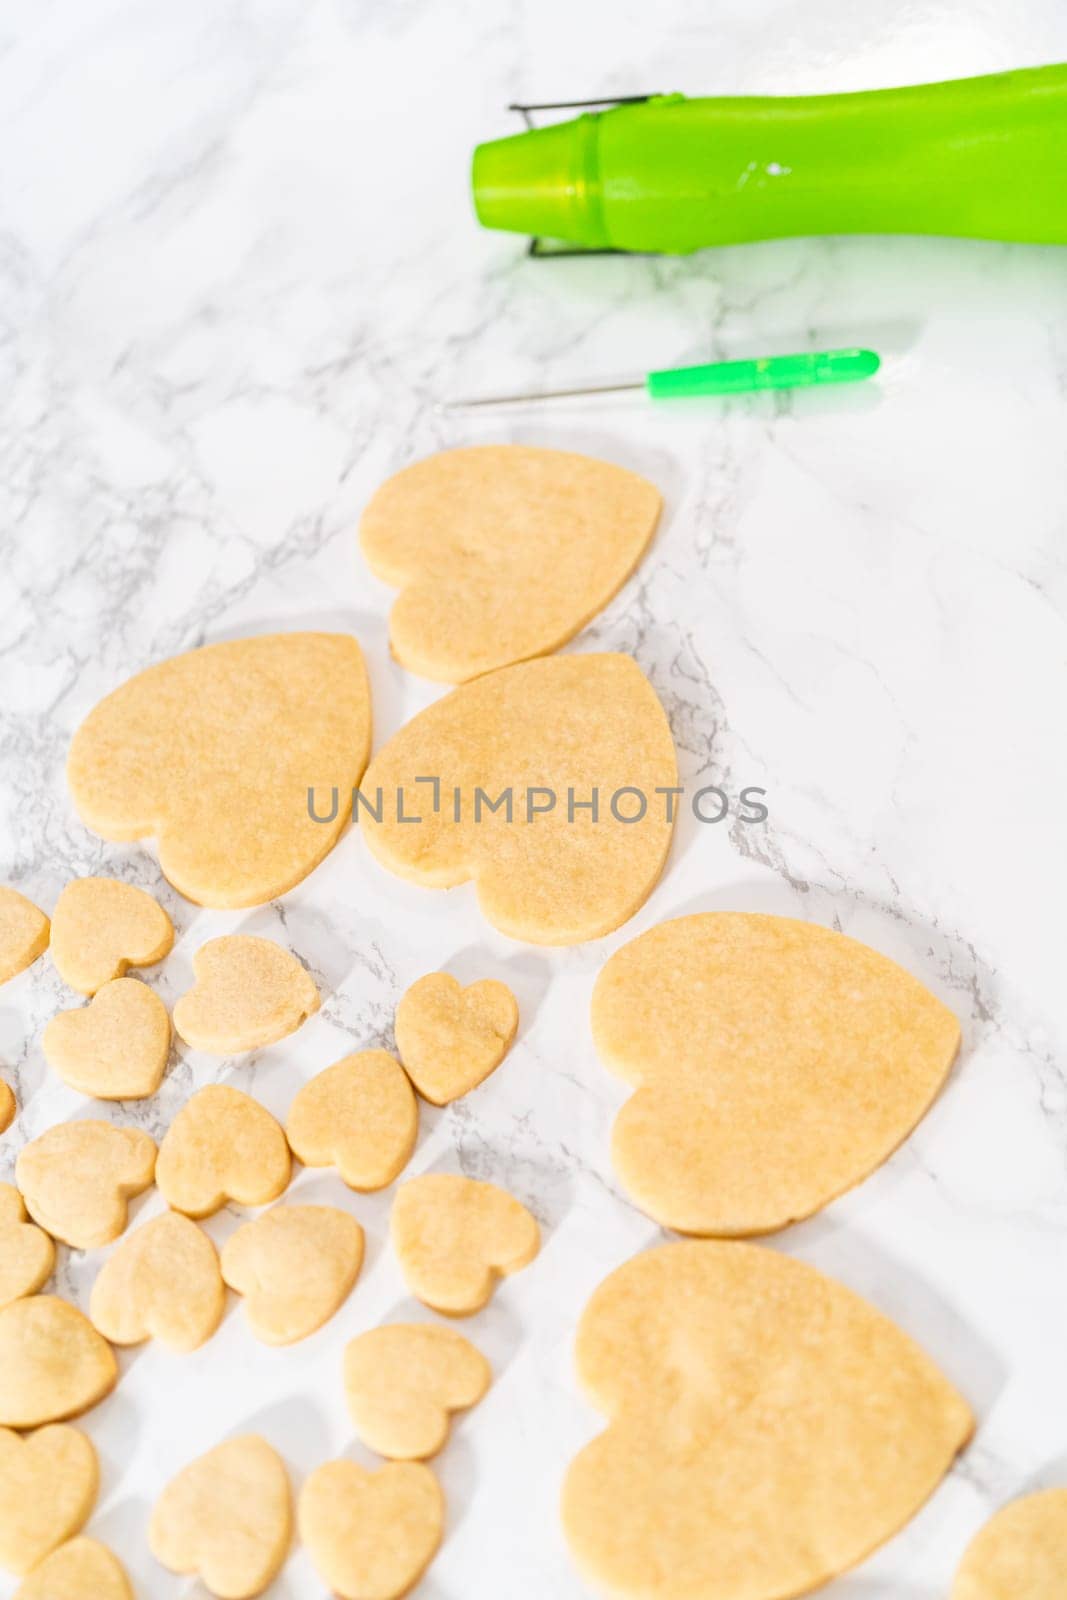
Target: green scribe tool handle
x: 767, y: 372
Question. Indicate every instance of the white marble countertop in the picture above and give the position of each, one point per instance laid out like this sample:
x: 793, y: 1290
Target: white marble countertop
x: 237, y: 270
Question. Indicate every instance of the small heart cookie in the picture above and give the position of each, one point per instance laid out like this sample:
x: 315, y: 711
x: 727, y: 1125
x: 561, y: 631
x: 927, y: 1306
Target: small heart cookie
x: 48, y: 1483
x: 226, y: 1516
x: 8, y: 1106
x: 402, y: 1383
x: 294, y: 1266
x: 84, y: 1569
x: 222, y: 1145
x: 454, y: 1236
x: 116, y: 1047
x: 27, y: 1254
x: 248, y: 993
x: 163, y: 1282
x: 23, y: 932
x: 53, y: 1363
x: 371, y: 1535
x: 1020, y: 1554
x: 450, y: 1038
x: 77, y: 1178
x: 360, y: 1115
x: 101, y: 926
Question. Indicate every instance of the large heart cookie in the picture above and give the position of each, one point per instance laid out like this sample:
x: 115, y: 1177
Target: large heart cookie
x: 776, y: 1063
x: 222, y: 1145
x: 81, y: 1570
x: 1021, y: 1554
x: 371, y: 1535
x: 23, y: 932
x: 403, y: 1381
x: 451, y: 1038
x: 226, y: 1516
x: 48, y: 1483
x: 294, y: 1266
x: 249, y: 992
x: 116, y: 1047
x: 454, y: 1237
x: 767, y: 1427
x: 78, y: 1177
x: 163, y: 1282
x: 519, y: 758
x: 27, y: 1254
x: 102, y: 926
x: 502, y: 552
x: 360, y: 1116
x: 215, y: 752
x: 53, y: 1363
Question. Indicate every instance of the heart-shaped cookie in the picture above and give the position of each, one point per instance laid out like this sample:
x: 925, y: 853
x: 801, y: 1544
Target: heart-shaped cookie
x: 222, y: 1145
x: 23, y: 932
x: 450, y: 1038
x: 294, y: 1266
x: 78, y: 1177
x: 48, y: 1484
x: 371, y: 1535
x: 767, y: 1427
x: 360, y: 1116
x: 8, y: 1106
x: 1020, y: 1554
x: 403, y: 1381
x: 27, y: 1254
x: 116, y: 1047
x: 521, y: 759
x: 215, y: 751
x: 84, y: 1569
x: 454, y: 1237
x: 248, y: 993
x: 102, y: 926
x: 502, y: 552
x: 226, y: 1516
x: 53, y: 1363
x: 162, y: 1282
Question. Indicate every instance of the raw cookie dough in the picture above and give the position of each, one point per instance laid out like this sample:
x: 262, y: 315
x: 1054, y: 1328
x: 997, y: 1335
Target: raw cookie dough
x: 23, y: 932
x: 454, y: 1237
x: 403, y: 1381
x: 767, y: 1428
x: 214, y: 753
x: 360, y: 1116
x: 27, y: 1254
x: 48, y: 1484
x: 102, y: 926
x: 249, y: 992
x: 295, y: 1265
x: 222, y: 1145
x: 226, y: 1516
x: 450, y: 1038
x: 371, y: 1535
x: 502, y: 552
x: 81, y: 1570
x: 53, y: 1363
x: 116, y: 1047
x: 551, y: 733
x: 775, y: 1063
x: 77, y: 1178
x: 1021, y: 1554
x: 8, y: 1106
x: 162, y: 1282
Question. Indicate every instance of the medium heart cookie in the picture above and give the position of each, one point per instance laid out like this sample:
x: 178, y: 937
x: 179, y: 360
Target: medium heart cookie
x: 450, y: 1038
x: 162, y: 1282
x: 78, y: 1177
x: 48, y: 1484
x: 8, y: 1106
x: 371, y: 1535
x: 116, y: 1047
x: 23, y: 932
x: 249, y: 992
x: 360, y: 1116
x: 454, y: 1237
x: 53, y: 1363
x: 227, y: 1516
x: 27, y: 1254
x: 214, y: 753
x: 294, y: 1266
x: 502, y: 552
x: 1021, y: 1554
x: 84, y: 1569
x: 102, y: 926
x: 222, y: 1145
x: 403, y: 1382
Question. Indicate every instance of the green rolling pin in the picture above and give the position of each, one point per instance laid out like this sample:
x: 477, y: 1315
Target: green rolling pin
x: 978, y: 158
